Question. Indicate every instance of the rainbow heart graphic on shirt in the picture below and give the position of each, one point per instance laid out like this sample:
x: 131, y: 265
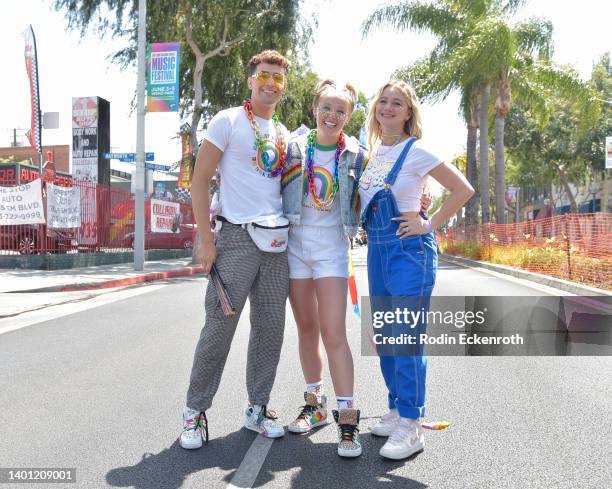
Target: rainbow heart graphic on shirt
x: 323, y: 182
x: 269, y: 155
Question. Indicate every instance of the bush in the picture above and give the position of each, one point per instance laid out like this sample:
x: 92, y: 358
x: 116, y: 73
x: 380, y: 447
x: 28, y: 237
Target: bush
x: 549, y: 260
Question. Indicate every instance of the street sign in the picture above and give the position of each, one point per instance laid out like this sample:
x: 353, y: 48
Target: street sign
x: 151, y: 166
x: 127, y: 157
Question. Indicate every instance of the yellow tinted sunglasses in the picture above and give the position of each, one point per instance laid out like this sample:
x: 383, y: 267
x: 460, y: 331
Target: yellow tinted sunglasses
x: 262, y: 77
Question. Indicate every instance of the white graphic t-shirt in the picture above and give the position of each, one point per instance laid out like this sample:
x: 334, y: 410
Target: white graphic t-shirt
x: 247, y: 192
x: 411, y: 180
x: 324, y: 166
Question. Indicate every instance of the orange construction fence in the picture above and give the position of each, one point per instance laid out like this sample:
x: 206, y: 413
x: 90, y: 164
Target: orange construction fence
x: 575, y: 247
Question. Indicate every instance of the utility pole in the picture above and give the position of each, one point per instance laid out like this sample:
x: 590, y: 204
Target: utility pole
x: 139, y: 188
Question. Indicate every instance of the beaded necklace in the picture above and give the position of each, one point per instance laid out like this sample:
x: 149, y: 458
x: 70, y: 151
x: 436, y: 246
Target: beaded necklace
x: 260, y: 141
x: 312, y: 189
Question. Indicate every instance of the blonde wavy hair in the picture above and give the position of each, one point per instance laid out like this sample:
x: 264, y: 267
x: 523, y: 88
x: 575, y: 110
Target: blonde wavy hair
x: 412, y: 127
x: 347, y: 90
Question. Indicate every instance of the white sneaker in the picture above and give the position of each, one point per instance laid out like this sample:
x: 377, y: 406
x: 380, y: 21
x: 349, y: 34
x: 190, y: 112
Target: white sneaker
x: 265, y: 422
x: 406, y: 440
x: 195, y: 429
x: 387, y: 424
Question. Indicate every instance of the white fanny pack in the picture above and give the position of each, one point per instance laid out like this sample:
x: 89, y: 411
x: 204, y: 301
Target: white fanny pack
x: 269, y: 235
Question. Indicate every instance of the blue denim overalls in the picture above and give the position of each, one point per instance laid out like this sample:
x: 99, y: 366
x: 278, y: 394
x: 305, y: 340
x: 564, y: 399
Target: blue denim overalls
x: 401, y: 274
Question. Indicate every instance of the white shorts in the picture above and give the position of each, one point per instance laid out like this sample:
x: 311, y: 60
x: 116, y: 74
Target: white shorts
x: 317, y: 251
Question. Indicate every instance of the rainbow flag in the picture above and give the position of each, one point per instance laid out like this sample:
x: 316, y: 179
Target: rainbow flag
x: 352, y: 285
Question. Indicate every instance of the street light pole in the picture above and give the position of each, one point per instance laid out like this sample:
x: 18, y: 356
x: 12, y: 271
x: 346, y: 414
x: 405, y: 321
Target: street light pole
x: 139, y: 188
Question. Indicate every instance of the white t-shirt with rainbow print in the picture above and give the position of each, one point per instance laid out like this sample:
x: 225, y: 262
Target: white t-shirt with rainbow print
x: 324, y: 166
x: 247, y: 193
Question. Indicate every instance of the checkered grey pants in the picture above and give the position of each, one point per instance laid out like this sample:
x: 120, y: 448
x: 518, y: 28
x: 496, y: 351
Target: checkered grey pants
x: 264, y: 279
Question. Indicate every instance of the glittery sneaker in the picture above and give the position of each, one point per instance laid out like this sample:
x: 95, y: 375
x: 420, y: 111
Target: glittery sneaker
x: 195, y: 429
x: 265, y: 422
x: 387, y: 424
x: 406, y: 440
x: 348, y: 431
x: 312, y: 414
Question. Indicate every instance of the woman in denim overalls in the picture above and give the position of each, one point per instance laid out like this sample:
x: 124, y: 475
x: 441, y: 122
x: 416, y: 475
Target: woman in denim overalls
x: 402, y: 251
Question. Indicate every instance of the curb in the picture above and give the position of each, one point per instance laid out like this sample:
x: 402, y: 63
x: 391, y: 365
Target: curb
x: 120, y: 282
x: 557, y: 283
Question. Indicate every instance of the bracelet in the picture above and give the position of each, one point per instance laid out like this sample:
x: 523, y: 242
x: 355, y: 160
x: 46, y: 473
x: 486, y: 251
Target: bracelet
x: 428, y: 226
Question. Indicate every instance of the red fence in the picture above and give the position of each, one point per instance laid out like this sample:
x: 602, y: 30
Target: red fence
x: 107, y: 224
x: 575, y: 247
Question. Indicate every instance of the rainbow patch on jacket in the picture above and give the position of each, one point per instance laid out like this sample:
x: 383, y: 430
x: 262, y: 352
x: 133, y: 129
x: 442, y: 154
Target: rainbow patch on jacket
x: 290, y: 175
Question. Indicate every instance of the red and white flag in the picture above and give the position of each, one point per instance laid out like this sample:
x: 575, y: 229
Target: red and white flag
x: 32, y: 69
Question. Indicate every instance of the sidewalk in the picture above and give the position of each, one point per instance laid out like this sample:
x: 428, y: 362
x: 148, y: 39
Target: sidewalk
x: 90, y: 278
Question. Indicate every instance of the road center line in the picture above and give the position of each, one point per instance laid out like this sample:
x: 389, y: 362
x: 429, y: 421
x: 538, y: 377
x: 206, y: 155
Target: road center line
x: 251, y: 464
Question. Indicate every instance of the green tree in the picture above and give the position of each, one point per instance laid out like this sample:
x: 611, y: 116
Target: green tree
x: 360, y: 112
x: 480, y: 51
x: 592, y: 147
x: 295, y: 108
x: 217, y: 39
x: 450, y: 21
x: 552, y: 152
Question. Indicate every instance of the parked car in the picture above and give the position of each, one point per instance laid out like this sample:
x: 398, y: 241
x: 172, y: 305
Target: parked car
x: 36, y: 238
x: 183, y: 238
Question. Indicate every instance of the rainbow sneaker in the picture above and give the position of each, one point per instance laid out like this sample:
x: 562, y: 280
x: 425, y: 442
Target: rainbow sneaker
x: 265, y: 422
x: 195, y: 429
x: 312, y: 414
x: 348, y: 432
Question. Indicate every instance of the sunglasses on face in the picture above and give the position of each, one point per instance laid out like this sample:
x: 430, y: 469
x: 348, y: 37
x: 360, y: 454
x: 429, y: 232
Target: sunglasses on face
x: 262, y: 77
x: 326, y: 112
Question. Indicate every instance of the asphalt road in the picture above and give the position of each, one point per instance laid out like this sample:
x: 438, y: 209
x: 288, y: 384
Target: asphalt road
x: 101, y: 390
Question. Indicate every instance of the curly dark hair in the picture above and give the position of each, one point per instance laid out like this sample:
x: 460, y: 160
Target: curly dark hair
x: 268, y: 56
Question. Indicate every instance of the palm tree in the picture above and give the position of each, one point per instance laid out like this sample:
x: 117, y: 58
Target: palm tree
x: 478, y: 47
x: 470, y: 104
x: 432, y: 88
x: 485, y: 198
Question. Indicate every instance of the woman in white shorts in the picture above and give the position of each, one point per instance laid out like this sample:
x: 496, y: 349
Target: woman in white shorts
x: 319, y: 193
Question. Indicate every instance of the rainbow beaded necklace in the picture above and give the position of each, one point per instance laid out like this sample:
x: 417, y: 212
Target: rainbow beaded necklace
x: 260, y: 141
x: 312, y: 189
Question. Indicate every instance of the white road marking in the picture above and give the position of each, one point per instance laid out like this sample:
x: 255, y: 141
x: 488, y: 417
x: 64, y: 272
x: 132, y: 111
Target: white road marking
x: 53, y: 312
x: 248, y: 471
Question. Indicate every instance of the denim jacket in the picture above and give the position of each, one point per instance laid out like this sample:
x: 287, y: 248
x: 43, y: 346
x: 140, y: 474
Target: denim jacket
x: 292, y: 178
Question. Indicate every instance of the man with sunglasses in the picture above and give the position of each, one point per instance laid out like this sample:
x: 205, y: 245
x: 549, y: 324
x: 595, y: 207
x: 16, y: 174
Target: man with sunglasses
x: 247, y: 145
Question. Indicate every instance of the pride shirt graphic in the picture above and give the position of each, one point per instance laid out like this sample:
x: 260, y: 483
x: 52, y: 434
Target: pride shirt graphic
x: 323, y: 183
x: 270, y: 154
x: 375, y: 174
